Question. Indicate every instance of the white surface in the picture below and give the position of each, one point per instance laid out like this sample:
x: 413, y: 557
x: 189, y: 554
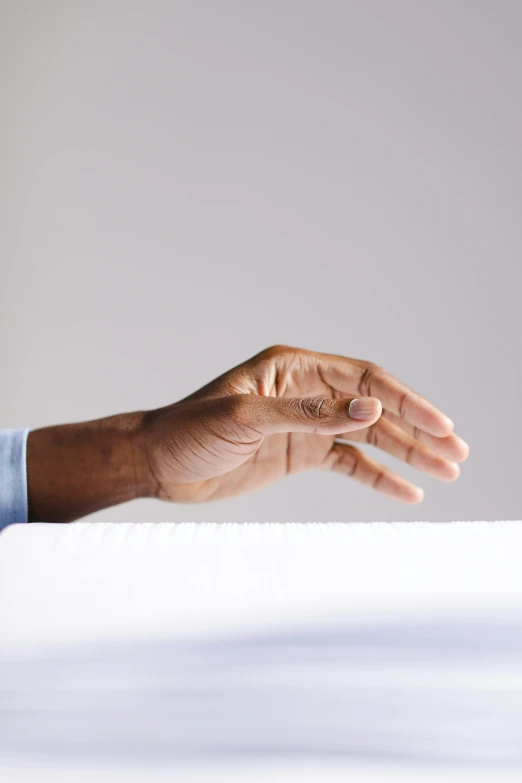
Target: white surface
x: 256, y: 651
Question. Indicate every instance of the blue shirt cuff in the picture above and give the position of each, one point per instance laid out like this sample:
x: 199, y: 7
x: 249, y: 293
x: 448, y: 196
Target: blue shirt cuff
x: 13, y: 477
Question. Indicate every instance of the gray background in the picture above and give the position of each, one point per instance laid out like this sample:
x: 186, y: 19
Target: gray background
x: 186, y: 183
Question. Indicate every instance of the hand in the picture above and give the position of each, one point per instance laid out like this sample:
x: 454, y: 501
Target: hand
x: 289, y: 410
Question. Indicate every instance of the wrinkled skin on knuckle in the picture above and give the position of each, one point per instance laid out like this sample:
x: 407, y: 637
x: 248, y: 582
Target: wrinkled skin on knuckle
x: 316, y: 408
x: 279, y: 371
x: 370, y: 372
x: 264, y: 374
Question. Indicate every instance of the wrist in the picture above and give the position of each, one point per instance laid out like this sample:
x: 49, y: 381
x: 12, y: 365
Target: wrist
x: 77, y: 469
x: 138, y: 438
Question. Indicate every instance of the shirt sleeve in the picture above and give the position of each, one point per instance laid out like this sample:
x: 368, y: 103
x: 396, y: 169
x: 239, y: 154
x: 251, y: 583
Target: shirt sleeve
x: 13, y: 477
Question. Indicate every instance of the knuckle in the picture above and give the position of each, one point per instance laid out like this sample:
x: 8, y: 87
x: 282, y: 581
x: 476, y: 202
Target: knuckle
x: 316, y: 408
x: 369, y: 373
x: 351, y: 460
x: 276, y: 350
x: 372, y: 436
x: 379, y: 476
x: 402, y: 403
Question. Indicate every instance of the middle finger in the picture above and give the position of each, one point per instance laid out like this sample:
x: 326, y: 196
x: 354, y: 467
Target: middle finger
x: 451, y: 447
x: 394, y: 440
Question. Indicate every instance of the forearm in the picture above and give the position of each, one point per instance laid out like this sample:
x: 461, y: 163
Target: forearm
x: 76, y: 469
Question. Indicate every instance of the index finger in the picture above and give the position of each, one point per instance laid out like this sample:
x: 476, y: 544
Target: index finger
x: 353, y: 376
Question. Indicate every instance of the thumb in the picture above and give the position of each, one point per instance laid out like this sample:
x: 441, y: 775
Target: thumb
x: 321, y: 415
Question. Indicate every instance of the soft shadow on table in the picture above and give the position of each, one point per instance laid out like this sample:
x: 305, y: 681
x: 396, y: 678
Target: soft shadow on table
x: 419, y: 691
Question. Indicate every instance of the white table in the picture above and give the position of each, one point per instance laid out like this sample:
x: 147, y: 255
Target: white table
x: 261, y: 651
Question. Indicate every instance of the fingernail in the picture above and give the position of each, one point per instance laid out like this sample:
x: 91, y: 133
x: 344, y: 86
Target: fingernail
x: 362, y: 409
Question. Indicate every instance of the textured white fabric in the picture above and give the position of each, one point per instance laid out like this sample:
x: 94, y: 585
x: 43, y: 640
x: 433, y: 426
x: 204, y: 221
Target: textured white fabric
x: 194, y: 648
x: 13, y: 477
